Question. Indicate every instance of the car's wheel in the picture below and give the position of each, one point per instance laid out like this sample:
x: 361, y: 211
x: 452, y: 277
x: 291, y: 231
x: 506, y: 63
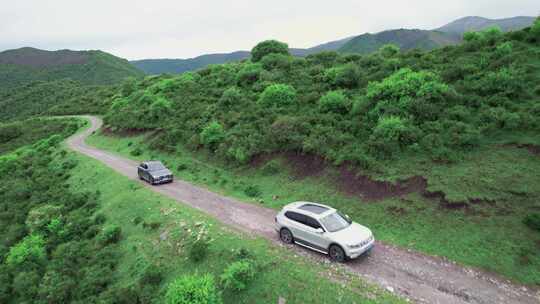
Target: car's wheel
x: 286, y: 236
x: 336, y: 253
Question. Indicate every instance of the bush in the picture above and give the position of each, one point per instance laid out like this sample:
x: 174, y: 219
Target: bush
x: 346, y: 76
x: 252, y: 191
x: 192, y: 290
x: 268, y: 47
x: 504, y: 49
x: 533, y: 221
x: 110, y: 235
x: 389, y: 50
x: 237, y: 275
x: 408, y: 93
x: 389, y: 135
x: 248, y: 75
x: 278, y: 95
x: 334, y: 101
x: 212, y: 135
x: 31, y: 248
x: 136, y: 152
x: 276, y: 61
x: 151, y: 276
x: 231, y: 97
x: 199, y: 245
x: 535, y: 29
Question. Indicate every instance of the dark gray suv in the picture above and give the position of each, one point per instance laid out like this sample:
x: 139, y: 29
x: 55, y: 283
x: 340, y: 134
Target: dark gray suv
x: 154, y: 172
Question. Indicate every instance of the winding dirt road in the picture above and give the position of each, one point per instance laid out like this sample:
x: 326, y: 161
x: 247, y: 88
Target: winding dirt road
x: 420, y: 278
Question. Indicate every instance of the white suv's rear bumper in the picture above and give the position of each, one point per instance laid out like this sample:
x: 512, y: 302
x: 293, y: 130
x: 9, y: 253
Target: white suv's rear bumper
x: 356, y: 252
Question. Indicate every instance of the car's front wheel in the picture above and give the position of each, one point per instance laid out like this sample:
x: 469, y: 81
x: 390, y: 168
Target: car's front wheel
x: 336, y: 253
x: 286, y: 236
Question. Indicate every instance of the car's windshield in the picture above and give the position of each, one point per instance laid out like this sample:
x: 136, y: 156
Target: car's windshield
x: 155, y: 166
x: 335, y: 222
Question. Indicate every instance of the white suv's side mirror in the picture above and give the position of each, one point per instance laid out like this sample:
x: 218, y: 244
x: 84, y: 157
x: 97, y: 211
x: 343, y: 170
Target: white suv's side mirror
x: 319, y: 230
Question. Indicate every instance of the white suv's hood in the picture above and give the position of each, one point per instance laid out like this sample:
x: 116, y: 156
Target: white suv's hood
x: 351, y: 235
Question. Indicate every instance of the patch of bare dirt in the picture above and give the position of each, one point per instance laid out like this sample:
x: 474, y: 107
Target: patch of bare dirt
x: 305, y: 165
x: 107, y: 131
x: 354, y: 183
x: 532, y: 148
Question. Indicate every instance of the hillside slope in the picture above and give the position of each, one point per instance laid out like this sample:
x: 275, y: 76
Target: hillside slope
x: 475, y: 23
x: 25, y: 65
x: 404, y: 38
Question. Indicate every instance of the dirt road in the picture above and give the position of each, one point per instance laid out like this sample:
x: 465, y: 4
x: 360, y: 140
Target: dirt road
x: 418, y: 277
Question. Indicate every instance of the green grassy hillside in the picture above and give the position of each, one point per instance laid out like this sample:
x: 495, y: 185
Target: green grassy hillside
x: 57, y: 97
x: 442, y: 143
x: 26, y: 65
x: 74, y: 231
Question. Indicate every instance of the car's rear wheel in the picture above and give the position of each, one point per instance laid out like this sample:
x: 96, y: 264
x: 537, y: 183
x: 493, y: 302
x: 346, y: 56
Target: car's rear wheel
x: 286, y: 236
x: 336, y: 253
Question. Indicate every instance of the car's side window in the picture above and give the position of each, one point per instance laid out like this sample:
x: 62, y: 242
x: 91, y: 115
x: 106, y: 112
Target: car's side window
x: 297, y: 217
x: 144, y: 166
x: 313, y: 223
x: 303, y: 219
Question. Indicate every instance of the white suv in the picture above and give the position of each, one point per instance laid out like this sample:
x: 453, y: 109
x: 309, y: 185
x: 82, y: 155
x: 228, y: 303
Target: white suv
x: 323, y: 229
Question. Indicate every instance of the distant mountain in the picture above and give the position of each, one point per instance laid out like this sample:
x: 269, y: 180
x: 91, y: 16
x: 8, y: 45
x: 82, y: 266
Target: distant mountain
x: 475, y: 23
x: 27, y: 64
x: 404, y: 38
x: 159, y: 66
x: 448, y: 34
x: 173, y: 66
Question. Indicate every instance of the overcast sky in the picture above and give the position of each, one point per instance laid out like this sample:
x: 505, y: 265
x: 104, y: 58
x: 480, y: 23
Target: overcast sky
x: 137, y: 29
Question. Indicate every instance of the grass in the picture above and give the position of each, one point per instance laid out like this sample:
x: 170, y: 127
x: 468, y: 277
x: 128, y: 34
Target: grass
x: 280, y: 273
x: 487, y: 235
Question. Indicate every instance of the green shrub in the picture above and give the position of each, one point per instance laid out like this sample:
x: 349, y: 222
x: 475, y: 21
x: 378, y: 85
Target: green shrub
x: 389, y: 50
x: 212, y: 135
x: 346, y: 76
x: 504, y: 49
x: 278, y: 95
x: 38, y: 218
x: 192, y: 290
x: 389, y: 135
x: 268, y: 47
x: 276, y: 61
x: 110, y: 235
x: 334, y: 101
x: 151, y: 276
x: 533, y: 221
x: 535, y: 29
x: 231, y: 97
x: 248, y: 75
x: 181, y: 167
x: 199, y: 245
x: 31, y: 248
x: 136, y: 152
x: 252, y: 191
x: 237, y: 275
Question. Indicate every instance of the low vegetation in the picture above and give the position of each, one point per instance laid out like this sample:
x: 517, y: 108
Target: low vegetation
x: 75, y: 231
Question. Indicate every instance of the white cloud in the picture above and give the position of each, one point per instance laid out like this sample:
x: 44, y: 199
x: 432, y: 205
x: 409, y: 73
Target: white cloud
x: 175, y: 29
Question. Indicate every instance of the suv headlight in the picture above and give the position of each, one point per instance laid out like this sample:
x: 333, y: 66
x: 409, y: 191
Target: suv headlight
x: 354, y: 246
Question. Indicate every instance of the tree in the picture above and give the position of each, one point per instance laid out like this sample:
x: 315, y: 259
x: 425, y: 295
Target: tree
x: 31, y: 248
x: 230, y: 97
x: 345, y: 76
x: 278, y: 95
x: 389, y: 50
x: 268, y: 47
x: 192, y: 290
x: 212, y: 135
x: 334, y: 101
